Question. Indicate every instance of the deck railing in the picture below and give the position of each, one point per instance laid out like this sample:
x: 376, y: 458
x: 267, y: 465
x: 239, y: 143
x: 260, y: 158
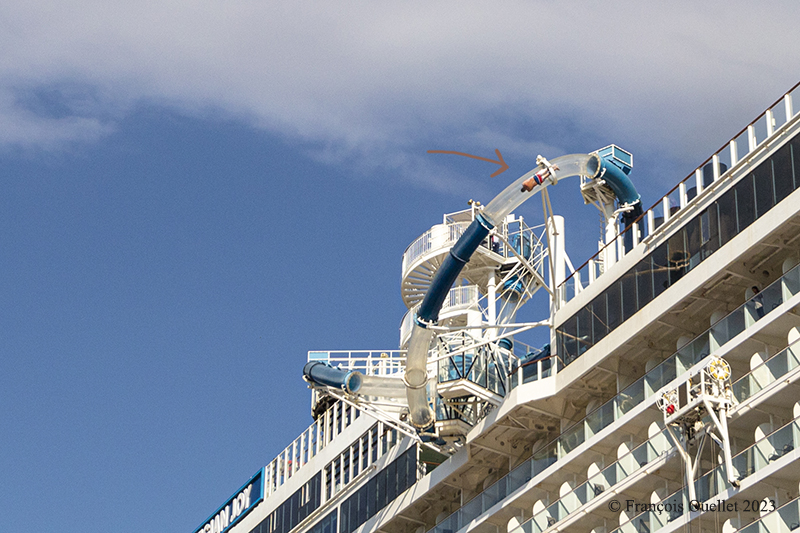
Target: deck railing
x: 645, y: 388
x: 724, y: 161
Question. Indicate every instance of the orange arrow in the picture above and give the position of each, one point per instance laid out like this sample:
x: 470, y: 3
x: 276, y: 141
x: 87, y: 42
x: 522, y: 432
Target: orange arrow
x: 500, y: 161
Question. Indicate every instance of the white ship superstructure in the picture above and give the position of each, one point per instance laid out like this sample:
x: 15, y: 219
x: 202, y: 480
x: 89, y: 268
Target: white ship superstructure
x: 667, y: 399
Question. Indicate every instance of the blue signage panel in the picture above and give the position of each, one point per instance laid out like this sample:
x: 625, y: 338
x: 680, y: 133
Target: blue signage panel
x: 237, y: 507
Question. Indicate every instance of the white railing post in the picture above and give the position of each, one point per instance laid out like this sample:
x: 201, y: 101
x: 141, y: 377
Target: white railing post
x: 682, y: 194
x: 734, y: 153
x: 787, y: 103
x: 770, y: 123
x: 751, y: 138
x: 715, y: 166
x: 698, y: 181
x: 635, y: 230
x: 666, y: 208
x: 592, y: 273
x: 651, y: 222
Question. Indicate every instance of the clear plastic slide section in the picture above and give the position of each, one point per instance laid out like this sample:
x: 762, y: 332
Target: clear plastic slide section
x: 546, y: 173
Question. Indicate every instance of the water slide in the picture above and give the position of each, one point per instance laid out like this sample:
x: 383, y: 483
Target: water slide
x: 414, y: 384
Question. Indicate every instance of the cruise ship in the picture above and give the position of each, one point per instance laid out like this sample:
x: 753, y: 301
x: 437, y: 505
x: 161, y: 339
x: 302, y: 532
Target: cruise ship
x: 666, y: 399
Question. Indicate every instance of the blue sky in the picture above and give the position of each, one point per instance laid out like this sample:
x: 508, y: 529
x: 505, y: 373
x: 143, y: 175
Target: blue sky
x: 194, y: 196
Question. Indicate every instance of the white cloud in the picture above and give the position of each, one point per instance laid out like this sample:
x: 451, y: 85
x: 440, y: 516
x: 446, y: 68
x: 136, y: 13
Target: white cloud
x: 376, y: 80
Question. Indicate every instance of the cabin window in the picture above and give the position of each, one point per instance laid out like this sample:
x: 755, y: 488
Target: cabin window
x: 765, y: 195
x: 677, y: 257
x: 644, y: 282
x: 614, y: 307
x: 584, y: 330
x: 569, y: 342
x: 599, y: 318
x: 660, y: 269
x: 734, y: 211
x: 745, y: 202
x: 628, y: 289
x: 726, y: 208
x: 710, y: 231
x: 783, y: 172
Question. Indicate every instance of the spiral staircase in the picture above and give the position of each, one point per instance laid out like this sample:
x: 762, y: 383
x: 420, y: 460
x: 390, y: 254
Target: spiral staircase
x: 472, y: 357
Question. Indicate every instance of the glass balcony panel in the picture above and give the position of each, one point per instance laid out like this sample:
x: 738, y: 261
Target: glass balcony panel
x: 544, y: 458
x: 770, y: 298
x: 582, y: 494
x: 493, y: 382
x: 778, y: 365
x: 744, y: 464
x: 569, y: 503
x: 448, y: 371
x: 546, y: 368
x: 471, y: 511
x: 552, y: 512
x: 742, y: 145
x: 728, y: 327
x: 599, y: 483
x: 790, y: 516
x: 779, y: 115
x: 626, y: 466
x: 629, y: 398
x: 519, y: 476
x: 692, y: 353
x: 782, y: 442
x: 543, y: 520
x: 600, y: 418
x: 793, y: 356
x: 572, y: 438
x: 795, y: 98
x: 630, y: 527
x: 760, y: 127
x: 652, y: 381
x: 760, y: 378
x: 724, y: 159
x: 477, y: 374
x: 640, y: 455
x: 790, y: 283
x: 761, y: 451
x: 745, y: 387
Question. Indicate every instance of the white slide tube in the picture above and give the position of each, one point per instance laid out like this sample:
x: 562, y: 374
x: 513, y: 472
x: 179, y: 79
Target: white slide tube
x: 380, y: 386
x: 565, y: 166
x: 420, y: 413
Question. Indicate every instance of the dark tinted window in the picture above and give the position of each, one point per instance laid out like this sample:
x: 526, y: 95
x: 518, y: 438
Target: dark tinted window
x: 745, y: 202
x: 584, y: 329
x: 677, y: 257
x: 629, y: 303
x: 379, y: 491
x: 599, y: 318
x: 783, y: 172
x: 726, y: 211
x: 570, y: 330
x: 735, y: 210
x: 614, y: 306
x: 644, y: 282
x: 660, y: 267
x: 765, y: 195
x: 694, y: 241
x: 709, y: 231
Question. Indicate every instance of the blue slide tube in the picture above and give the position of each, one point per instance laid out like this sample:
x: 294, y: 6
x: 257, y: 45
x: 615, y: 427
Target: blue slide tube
x: 420, y: 413
x: 338, y: 378
x: 414, y: 385
x: 451, y: 267
x: 353, y: 381
x: 619, y: 182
